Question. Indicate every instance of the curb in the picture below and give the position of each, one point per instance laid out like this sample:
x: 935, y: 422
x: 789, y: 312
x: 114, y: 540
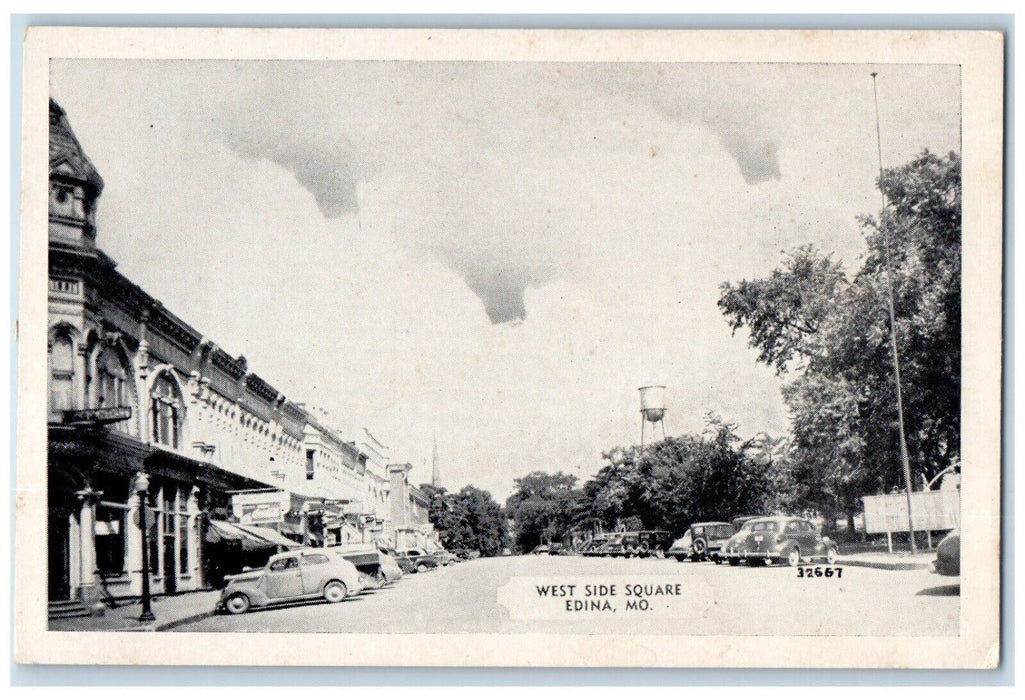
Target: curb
x: 888, y: 566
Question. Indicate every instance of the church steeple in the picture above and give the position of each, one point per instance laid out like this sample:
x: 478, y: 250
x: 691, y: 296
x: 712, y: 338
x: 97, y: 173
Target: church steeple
x: 435, y: 475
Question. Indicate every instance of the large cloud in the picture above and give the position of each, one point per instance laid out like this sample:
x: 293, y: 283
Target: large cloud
x: 473, y: 145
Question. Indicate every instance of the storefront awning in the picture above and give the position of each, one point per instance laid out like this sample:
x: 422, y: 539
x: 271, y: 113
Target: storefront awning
x: 269, y: 535
x: 252, y: 538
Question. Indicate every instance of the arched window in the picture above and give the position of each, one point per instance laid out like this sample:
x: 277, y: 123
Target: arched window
x: 114, y: 386
x: 167, y: 412
x: 62, y: 372
x: 112, y: 389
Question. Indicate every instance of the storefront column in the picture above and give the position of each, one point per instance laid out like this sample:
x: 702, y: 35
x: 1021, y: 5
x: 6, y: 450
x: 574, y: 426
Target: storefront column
x: 193, y: 540
x: 88, y: 590
x: 133, y: 549
x: 74, y: 553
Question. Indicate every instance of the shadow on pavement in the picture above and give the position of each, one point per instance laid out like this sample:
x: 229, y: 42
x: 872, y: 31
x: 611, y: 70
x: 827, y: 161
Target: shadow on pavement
x: 252, y: 612
x: 952, y: 589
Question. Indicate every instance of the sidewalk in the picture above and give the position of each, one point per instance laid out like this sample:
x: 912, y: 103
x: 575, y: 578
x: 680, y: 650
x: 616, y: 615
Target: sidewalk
x: 896, y: 561
x: 170, y: 611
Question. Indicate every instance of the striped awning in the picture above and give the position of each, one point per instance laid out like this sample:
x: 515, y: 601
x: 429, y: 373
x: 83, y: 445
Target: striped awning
x: 251, y: 537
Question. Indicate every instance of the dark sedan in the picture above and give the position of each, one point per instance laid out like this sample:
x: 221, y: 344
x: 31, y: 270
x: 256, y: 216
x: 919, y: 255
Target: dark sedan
x: 421, y: 559
x: 779, y: 540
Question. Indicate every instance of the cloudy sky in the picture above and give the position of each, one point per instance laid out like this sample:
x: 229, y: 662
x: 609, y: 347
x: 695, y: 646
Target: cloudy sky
x: 496, y: 253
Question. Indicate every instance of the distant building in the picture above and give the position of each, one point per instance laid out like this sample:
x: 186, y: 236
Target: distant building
x: 410, y: 511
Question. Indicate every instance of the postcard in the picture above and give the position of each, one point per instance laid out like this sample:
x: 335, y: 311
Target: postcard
x: 456, y: 347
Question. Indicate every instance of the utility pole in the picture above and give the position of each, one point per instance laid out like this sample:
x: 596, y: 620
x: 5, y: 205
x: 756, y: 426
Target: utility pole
x: 893, y: 323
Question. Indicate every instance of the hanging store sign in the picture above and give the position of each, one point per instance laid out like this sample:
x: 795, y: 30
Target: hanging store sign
x: 263, y: 507
x: 111, y: 414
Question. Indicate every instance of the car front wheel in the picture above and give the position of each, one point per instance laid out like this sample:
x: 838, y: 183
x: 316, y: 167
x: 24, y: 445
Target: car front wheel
x: 335, y: 592
x: 237, y: 604
x: 831, y: 555
x: 793, y: 557
x: 422, y: 568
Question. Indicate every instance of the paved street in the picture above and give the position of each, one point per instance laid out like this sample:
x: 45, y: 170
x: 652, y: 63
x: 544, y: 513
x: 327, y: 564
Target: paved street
x: 709, y: 599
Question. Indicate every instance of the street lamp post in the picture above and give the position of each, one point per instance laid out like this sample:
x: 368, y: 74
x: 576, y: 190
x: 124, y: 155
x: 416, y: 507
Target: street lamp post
x: 142, y: 488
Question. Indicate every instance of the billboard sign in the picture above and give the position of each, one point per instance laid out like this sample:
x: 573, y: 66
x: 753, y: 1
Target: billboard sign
x: 932, y: 510
x: 261, y: 507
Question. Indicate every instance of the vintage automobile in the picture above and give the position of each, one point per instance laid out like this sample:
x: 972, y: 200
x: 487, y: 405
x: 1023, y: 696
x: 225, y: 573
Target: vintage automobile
x: 376, y: 569
x: 708, y: 540
x: 421, y: 560
x: 948, y: 555
x: 444, y: 557
x: 641, y: 543
x: 390, y: 569
x: 403, y: 561
x: 702, y: 541
x: 593, y: 547
x: 680, y: 547
x: 307, y: 574
x: 779, y: 540
x: 542, y: 549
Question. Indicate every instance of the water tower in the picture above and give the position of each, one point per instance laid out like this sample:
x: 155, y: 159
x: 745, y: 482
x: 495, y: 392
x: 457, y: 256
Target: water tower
x: 653, y: 408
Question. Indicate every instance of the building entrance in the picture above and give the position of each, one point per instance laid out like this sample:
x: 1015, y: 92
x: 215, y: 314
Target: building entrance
x: 59, y: 559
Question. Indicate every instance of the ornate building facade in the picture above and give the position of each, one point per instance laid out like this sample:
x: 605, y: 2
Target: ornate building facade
x: 139, y: 398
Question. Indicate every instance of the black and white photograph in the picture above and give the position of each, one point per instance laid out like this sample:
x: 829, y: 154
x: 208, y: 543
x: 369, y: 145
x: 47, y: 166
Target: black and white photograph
x: 511, y: 346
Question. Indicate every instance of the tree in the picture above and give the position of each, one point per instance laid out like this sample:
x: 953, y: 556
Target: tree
x: 685, y: 479
x: 828, y: 332
x: 443, y: 514
x: 470, y: 519
x: 541, y: 507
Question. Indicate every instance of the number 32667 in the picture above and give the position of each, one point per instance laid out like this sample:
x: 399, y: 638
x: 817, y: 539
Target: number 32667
x: 820, y: 572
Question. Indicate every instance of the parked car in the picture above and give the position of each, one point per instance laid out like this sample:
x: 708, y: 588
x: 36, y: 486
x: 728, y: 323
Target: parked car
x: 308, y: 574
x: 374, y: 567
x: 421, y: 560
x: 591, y: 549
x: 680, y: 548
x: 948, y: 555
x: 390, y: 569
x: 402, y: 560
x: 738, y: 524
x: 542, y: 549
x: 444, y: 557
x: 780, y: 540
x: 702, y: 541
